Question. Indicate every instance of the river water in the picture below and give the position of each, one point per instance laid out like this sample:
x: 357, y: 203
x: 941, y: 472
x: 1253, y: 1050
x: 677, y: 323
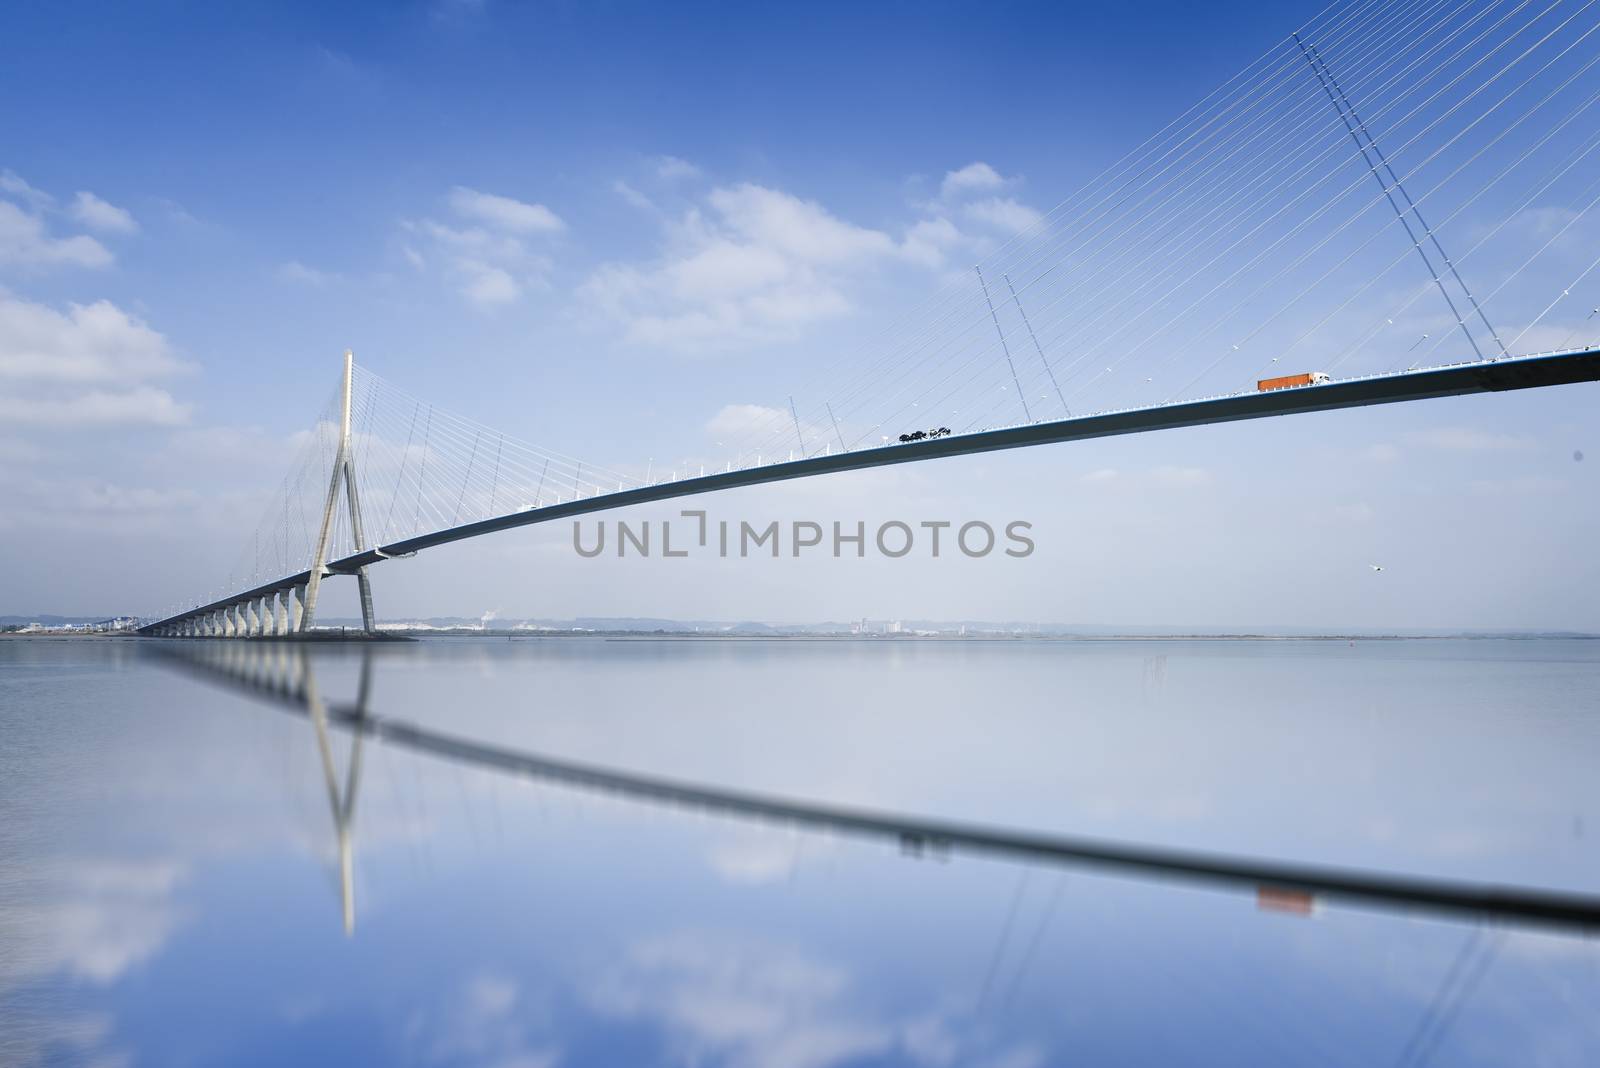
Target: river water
x: 540, y: 852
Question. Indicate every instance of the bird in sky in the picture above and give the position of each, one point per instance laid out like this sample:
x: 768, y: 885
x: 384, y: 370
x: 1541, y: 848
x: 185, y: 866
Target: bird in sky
x: 1375, y: 567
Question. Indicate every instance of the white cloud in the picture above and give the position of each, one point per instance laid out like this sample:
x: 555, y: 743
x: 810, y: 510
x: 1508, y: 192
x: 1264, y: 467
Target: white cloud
x: 13, y: 185
x: 799, y: 228
x: 973, y: 194
x: 1467, y: 439
x: 298, y: 273
x: 487, y: 285
x: 489, y: 259
x: 1183, y: 477
x: 1004, y: 213
x: 177, y: 213
x: 929, y: 240
x: 97, y: 343
x: 87, y: 366
x: 504, y: 213
x: 97, y: 214
x: 144, y: 405
x: 632, y: 196
x: 976, y: 177
x: 1165, y: 475
x: 1521, y: 486
x: 740, y: 420
x: 669, y: 168
x: 25, y: 242
x: 725, y: 269
x: 753, y: 264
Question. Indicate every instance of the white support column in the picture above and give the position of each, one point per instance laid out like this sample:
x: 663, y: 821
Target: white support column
x: 241, y: 621
x: 364, y: 584
x: 282, y: 627
x: 319, y: 559
x: 227, y: 621
x: 297, y: 607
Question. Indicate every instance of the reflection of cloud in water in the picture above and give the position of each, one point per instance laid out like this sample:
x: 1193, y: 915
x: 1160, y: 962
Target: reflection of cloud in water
x: 757, y: 856
x: 743, y: 1003
x: 29, y: 1039
x: 750, y: 1003
x: 89, y: 919
x: 488, y: 1022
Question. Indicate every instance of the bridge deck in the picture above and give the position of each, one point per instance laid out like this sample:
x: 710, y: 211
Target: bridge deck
x: 1494, y: 376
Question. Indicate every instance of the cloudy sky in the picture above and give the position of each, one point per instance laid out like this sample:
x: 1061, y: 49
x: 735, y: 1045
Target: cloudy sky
x: 628, y: 232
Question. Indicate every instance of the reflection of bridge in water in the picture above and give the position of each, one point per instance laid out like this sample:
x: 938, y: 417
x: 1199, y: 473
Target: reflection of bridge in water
x: 283, y: 674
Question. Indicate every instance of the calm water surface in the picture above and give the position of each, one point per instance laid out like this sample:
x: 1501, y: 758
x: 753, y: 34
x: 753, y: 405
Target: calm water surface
x: 201, y: 865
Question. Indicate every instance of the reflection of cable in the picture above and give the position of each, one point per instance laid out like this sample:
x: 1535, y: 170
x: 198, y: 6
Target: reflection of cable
x: 1038, y: 936
x: 1460, y: 980
x: 1005, y: 937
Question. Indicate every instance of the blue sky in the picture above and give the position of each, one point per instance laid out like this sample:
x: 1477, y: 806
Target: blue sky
x: 488, y: 203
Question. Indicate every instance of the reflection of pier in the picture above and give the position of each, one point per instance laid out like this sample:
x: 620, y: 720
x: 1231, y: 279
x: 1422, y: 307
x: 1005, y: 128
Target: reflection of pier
x: 283, y: 674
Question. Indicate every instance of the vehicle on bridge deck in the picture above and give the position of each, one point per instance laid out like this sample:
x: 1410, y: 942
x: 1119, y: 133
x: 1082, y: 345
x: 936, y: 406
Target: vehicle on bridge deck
x: 1310, y: 378
x: 925, y: 435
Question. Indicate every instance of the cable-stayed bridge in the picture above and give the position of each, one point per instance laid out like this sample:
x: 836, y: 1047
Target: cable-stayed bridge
x: 1397, y: 185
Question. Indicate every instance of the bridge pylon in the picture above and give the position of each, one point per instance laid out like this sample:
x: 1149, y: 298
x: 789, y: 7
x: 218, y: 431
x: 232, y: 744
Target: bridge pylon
x: 344, y: 469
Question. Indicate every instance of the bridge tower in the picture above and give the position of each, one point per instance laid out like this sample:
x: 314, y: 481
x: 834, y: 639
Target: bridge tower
x: 344, y: 469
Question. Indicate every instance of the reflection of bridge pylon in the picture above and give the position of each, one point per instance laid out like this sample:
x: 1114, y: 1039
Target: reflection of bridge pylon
x: 342, y: 804
x: 285, y: 676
